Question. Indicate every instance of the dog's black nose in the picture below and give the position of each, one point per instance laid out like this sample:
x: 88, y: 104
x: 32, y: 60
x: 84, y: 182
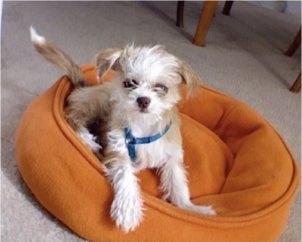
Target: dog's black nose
x: 143, y: 102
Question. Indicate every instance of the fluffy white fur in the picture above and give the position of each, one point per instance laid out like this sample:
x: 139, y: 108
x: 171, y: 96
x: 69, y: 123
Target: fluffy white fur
x: 145, y: 72
x: 88, y: 139
x: 127, y: 206
x: 35, y: 37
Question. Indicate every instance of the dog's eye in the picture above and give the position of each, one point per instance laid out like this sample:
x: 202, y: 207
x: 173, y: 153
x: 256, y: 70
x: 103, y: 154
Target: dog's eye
x: 130, y: 83
x: 161, y: 88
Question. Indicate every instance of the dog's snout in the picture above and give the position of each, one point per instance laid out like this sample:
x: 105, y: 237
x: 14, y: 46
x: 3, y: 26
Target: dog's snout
x: 143, y: 102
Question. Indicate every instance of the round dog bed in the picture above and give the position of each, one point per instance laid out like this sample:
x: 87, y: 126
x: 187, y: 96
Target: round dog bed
x: 235, y: 160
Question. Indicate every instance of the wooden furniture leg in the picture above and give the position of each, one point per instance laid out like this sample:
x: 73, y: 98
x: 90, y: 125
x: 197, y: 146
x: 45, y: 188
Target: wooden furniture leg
x: 290, y: 52
x: 180, y: 14
x: 227, y: 7
x: 297, y: 84
x: 205, y: 21
x: 294, y: 45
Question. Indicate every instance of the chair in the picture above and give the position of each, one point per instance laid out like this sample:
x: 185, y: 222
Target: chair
x: 205, y: 20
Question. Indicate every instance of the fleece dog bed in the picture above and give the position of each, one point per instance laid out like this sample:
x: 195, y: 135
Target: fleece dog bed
x: 235, y: 160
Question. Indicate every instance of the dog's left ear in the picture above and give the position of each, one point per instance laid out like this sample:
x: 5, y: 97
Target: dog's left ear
x: 189, y: 77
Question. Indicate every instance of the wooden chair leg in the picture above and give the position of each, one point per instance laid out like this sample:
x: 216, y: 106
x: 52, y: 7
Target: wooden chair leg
x: 205, y: 20
x: 297, y: 84
x: 180, y: 14
x: 294, y: 45
x: 227, y: 7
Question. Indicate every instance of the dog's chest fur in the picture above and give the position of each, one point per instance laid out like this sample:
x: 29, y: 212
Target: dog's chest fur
x: 153, y: 155
x: 157, y: 153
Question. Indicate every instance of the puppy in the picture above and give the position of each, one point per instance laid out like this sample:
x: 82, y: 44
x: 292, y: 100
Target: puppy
x: 140, y: 123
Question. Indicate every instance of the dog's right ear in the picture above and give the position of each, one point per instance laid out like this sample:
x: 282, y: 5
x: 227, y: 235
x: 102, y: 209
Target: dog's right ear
x: 108, y: 59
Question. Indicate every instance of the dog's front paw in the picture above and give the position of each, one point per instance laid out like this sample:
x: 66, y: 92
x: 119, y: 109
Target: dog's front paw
x: 89, y: 140
x: 206, y: 210
x: 127, y: 213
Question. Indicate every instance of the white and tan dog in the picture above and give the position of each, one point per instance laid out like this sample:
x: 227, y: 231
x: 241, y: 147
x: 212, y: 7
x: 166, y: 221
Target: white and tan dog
x: 136, y: 119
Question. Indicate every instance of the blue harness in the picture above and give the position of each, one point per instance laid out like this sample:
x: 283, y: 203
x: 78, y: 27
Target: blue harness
x: 131, y: 141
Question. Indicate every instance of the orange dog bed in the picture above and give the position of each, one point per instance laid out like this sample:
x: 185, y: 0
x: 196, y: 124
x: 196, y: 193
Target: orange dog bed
x: 236, y: 162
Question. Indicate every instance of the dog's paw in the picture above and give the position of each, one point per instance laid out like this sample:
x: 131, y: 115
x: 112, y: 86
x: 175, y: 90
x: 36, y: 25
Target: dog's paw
x: 89, y: 140
x: 206, y: 210
x: 127, y: 213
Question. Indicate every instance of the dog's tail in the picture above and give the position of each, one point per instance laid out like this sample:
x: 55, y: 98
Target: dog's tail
x: 57, y: 57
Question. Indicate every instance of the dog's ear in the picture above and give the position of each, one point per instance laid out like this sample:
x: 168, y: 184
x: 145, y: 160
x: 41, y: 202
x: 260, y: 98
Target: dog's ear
x: 189, y: 77
x: 108, y: 59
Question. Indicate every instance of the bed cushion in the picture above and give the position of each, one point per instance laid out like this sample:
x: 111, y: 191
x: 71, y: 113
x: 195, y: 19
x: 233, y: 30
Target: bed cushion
x: 235, y: 161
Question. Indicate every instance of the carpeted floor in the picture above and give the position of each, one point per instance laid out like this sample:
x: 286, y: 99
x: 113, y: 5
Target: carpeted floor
x: 243, y: 58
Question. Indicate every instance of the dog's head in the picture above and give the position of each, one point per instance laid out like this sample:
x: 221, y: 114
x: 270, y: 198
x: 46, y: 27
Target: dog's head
x: 148, y: 78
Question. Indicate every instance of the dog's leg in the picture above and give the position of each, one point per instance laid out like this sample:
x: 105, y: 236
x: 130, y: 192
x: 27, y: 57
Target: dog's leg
x: 127, y: 206
x: 175, y: 188
x: 88, y: 139
x: 86, y: 106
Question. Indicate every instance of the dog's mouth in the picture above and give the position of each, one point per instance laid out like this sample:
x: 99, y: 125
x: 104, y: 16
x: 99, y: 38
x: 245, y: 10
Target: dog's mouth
x: 143, y: 110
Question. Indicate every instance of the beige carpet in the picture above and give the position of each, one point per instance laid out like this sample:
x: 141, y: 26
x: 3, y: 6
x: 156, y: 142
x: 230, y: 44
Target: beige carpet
x: 243, y: 58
